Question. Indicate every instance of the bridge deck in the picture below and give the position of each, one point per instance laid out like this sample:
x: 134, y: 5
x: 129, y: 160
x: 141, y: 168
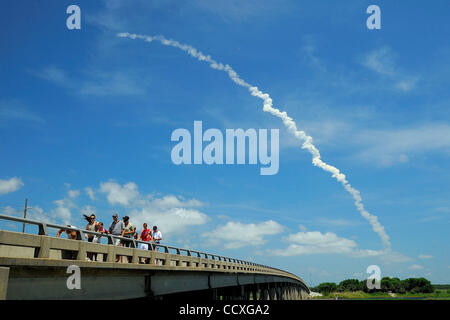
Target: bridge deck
x: 30, y: 258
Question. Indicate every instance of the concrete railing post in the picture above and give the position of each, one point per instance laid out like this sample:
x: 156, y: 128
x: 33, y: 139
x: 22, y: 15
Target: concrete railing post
x: 81, y: 251
x: 111, y: 255
x: 43, y: 229
x: 166, y: 261
x: 44, y: 247
x: 135, y: 258
x: 4, y: 277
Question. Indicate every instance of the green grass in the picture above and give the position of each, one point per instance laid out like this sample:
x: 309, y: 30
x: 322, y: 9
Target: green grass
x: 437, y: 294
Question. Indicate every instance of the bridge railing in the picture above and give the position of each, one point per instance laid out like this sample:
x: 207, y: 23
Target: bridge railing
x: 44, y: 244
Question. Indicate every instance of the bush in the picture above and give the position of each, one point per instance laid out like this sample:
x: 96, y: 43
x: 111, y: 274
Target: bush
x: 418, y: 285
x: 326, y: 287
x: 350, y: 285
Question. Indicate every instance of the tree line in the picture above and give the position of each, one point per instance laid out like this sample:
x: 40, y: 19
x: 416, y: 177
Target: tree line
x: 394, y: 285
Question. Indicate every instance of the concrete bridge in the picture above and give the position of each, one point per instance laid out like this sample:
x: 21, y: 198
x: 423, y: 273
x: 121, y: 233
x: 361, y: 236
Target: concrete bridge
x: 31, y: 267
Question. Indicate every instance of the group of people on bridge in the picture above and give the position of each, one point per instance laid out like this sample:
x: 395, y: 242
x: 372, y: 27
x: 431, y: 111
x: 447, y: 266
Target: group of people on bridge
x: 118, y: 228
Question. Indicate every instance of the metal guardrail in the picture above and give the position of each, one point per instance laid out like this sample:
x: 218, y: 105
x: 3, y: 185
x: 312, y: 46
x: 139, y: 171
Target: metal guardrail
x: 200, y: 259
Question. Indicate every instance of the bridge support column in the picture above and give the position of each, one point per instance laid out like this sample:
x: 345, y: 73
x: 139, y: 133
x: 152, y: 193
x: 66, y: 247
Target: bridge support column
x: 296, y: 293
x: 247, y: 292
x: 303, y: 294
x: 214, y: 295
x: 273, y: 294
x: 283, y: 293
x: 241, y: 293
x: 288, y: 293
x: 265, y: 294
x: 4, y: 276
x: 278, y: 291
x: 254, y: 292
x: 292, y: 293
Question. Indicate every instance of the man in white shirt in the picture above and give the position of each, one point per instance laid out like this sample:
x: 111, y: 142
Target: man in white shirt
x: 157, y: 236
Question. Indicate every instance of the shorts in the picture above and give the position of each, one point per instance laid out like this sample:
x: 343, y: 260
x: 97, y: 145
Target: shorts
x: 96, y: 239
x: 143, y: 246
x: 116, y: 242
x: 127, y: 243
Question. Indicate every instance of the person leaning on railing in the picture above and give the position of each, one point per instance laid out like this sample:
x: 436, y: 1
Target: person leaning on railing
x: 128, y: 232
x: 91, y: 226
x: 157, y: 237
x: 73, y: 235
x: 116, y: 228
x: 146, y: 235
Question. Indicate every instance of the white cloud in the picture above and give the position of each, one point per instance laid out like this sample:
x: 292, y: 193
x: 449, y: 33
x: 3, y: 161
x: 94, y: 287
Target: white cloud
x: 315, y: 242
x: 11, y: 185
x: 389, y: 147
x: 59, y: 215
x: 170, y: 213
x: 237, y: 11
x: 415, y: 267
x: 382, y: 61
x: 170, y: 221
x: 171, y: 201
x: 90, y: 192
x: 10, y: 211
x: 235, y: 235
x: 424, y: 256
x: 87, y: 210
x: 407, y: 84
x: 73, y: 193
x: 62, y: 212
x: 13, y: 110
x: 37, y: 213
x: 117, y: 194
x: 338, y: 222
x: 113, y: 83
x: 309, y: 52
x: 96, y: 82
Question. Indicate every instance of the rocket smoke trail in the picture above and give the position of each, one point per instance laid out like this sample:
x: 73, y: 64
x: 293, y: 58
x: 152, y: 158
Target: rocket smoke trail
x: 287, y: 121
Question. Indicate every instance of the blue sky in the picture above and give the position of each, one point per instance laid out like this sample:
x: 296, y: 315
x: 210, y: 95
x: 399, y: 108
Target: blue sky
x: 86, y: 119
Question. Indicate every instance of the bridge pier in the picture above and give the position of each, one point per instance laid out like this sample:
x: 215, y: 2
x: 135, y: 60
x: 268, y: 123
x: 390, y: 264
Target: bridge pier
x: 278, y: 291
x: 273, y: 294
x: 265, y: 294
x: 289, y: 293
x: 255, y: 292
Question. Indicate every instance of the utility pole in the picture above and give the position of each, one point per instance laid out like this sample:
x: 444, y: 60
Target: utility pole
x: 25, y: 214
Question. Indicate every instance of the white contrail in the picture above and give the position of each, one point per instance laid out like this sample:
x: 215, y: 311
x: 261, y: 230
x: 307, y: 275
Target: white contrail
x: 288, y: 122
